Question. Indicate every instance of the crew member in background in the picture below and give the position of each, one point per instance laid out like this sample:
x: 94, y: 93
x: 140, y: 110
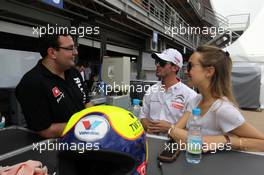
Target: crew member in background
x: 81, y: 68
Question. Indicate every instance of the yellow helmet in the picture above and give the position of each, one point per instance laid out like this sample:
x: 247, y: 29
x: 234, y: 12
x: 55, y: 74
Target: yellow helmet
x: 111, y: 136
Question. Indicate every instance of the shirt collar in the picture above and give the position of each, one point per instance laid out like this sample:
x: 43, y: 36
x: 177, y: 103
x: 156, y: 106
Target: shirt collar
x: 173, y: 87
x: 45, y: 71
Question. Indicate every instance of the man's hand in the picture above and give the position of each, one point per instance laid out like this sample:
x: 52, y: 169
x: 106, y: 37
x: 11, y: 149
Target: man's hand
x: 147, y: 123
x: 54, y: 131
x: 87, y: 105
x: 159, y: 126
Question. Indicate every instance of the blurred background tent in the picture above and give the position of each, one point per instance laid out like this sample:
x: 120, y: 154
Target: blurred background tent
x: 247, y: 54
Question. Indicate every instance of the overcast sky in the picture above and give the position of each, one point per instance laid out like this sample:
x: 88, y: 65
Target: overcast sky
x: 230, y: 7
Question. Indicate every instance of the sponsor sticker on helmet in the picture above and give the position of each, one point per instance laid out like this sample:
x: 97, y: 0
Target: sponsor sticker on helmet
x: 128, y: 126
x: 91, y: 128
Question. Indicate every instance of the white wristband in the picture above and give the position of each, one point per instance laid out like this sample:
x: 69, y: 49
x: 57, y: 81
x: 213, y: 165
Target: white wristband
x: 171, y: 128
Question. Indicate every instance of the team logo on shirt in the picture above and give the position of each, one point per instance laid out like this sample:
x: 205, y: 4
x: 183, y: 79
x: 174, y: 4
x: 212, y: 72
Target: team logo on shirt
x: 178, y: 102
x: 177, y: 105
x: 56, y: 92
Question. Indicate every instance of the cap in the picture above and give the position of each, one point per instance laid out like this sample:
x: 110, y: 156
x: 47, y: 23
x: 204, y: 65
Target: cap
x: 171, y: 55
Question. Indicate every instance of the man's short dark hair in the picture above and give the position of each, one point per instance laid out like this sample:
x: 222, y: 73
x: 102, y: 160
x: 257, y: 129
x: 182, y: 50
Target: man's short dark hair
x: 46, y: 41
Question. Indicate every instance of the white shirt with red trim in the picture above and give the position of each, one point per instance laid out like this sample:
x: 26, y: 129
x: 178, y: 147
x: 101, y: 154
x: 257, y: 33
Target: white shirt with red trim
x: 169, y: 105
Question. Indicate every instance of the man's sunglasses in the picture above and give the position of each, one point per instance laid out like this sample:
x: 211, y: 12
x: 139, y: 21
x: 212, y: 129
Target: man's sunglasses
x: 161, y: 62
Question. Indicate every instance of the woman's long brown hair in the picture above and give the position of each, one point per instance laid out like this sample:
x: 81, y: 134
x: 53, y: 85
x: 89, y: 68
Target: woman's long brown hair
x: 221, y: 80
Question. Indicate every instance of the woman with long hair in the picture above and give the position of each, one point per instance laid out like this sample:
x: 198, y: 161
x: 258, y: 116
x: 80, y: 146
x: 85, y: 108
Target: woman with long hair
x: 209, y: 68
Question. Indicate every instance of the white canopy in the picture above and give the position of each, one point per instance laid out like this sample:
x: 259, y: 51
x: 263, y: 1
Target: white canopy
x: 248, y: 50
x: 250, y: 47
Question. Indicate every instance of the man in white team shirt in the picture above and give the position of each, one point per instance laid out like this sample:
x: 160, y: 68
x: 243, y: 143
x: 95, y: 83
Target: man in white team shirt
x: 165, y: 102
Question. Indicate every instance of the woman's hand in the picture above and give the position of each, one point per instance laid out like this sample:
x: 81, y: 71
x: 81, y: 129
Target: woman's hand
x: 178, y: 134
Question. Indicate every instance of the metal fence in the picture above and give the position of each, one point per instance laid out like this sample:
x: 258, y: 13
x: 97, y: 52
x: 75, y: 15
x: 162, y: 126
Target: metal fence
x: 162, y: 11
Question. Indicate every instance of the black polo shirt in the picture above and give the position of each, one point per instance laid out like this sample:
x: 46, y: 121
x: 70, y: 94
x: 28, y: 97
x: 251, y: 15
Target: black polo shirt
x: 46, y: 98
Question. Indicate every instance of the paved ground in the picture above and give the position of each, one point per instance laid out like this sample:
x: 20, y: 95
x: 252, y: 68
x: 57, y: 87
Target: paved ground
x: 255, y: 118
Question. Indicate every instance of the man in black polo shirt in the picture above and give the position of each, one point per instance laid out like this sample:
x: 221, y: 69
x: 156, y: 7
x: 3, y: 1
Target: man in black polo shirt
x: 53, y: 90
